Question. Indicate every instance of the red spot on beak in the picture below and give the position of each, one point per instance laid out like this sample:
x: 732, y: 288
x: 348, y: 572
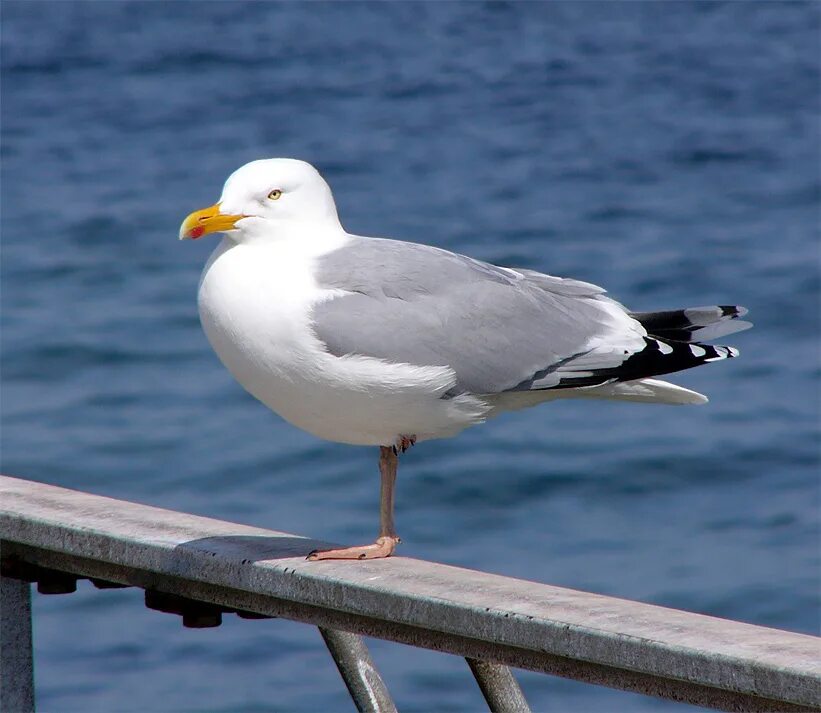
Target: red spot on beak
x: 196, y: 232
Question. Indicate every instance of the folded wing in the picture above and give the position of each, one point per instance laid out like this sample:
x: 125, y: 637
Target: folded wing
x: 499, y: 329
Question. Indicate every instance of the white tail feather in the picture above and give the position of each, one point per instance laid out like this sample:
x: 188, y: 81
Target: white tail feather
x: 653, y: 391
x: 643, y: 390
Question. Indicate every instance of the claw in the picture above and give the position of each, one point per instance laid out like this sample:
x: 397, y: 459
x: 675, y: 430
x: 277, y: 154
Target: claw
x: 403, y: 443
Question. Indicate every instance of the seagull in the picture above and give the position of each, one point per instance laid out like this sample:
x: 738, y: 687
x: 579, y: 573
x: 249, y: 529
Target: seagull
x: 380, y: 342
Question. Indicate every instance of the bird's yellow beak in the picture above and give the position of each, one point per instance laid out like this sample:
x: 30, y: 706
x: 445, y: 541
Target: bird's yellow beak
x: 207, y: 220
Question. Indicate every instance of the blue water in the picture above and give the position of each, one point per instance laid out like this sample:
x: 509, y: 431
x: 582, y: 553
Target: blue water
x: 669, y: 152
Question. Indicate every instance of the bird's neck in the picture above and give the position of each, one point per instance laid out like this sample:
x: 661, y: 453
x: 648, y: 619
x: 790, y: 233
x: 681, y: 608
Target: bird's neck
x: 308, y: 239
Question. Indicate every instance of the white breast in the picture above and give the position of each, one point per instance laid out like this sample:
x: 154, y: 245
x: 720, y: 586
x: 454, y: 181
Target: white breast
x: 255, y: 303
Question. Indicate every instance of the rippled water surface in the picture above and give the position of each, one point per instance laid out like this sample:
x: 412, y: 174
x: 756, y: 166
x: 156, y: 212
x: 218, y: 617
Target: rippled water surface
x: 667, y: 151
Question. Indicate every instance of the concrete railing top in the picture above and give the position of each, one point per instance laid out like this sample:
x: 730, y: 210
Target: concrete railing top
x: 528, y: 617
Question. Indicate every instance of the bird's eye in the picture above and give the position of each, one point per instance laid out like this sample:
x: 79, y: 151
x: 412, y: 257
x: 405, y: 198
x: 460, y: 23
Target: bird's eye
x: 275, y: 194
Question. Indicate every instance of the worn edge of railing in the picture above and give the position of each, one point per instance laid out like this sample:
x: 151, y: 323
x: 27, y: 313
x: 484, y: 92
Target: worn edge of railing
x: 589, y: 637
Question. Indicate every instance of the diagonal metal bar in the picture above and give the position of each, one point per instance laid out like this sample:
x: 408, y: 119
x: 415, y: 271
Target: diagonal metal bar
x: 368, y: 690
x: 499, y: 687
x: 16, y: 661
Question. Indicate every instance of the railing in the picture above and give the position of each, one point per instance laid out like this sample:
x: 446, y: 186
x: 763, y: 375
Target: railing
x: 202, y: 568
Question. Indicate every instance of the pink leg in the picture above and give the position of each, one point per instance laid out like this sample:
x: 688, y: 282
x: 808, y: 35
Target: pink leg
x: 388, y: 539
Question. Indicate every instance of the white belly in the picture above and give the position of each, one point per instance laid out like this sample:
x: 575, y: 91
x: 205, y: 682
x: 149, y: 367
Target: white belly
x: 254, y: 304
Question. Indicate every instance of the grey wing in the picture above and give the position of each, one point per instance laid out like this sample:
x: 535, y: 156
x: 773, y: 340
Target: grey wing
x: 499, y: 329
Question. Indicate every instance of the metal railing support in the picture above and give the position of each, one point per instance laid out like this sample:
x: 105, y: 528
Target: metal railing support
x: 16, y: 659
x: 367, y: 689
x: 499, y: 687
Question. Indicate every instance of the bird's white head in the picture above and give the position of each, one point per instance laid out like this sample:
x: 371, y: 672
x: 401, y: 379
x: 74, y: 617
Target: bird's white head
x: 263, y: 198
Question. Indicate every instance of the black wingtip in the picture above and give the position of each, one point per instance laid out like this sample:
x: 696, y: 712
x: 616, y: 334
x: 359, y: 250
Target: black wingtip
x: 659, y: 356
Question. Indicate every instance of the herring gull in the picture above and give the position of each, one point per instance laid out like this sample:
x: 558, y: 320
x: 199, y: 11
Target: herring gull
x: 379, y: 342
